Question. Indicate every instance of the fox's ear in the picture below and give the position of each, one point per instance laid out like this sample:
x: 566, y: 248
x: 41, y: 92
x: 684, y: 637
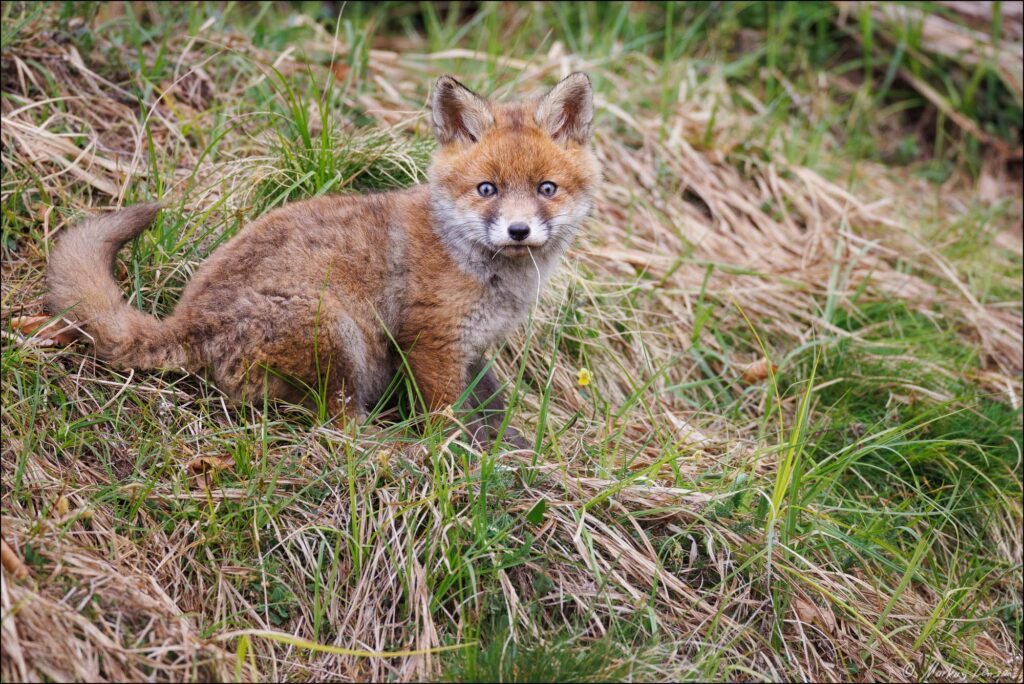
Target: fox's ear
x: 458, y: 113
x: 567, y: 111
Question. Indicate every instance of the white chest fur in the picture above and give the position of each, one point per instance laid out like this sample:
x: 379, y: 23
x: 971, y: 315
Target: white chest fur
x: 509, y: 294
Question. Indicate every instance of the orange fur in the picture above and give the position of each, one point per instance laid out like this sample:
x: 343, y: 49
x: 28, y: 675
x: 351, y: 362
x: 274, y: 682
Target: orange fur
x: 312, y: 294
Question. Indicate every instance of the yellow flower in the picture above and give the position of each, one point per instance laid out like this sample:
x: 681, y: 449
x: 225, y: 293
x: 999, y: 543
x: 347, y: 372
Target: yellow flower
x: 583, y: 377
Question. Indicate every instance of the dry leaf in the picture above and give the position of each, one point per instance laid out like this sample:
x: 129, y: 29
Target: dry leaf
x: 758, y: 371
x: 340, y: 71
x: 11, y: 562
x: 210, y: 464
x: 812, y: 614
x: 46, y: 331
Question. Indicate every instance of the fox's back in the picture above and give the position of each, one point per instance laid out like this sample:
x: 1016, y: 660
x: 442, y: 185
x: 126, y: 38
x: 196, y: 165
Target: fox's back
x: 350, y: 246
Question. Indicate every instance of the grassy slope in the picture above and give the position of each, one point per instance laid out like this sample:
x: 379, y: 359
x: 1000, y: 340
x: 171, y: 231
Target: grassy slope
x: 768, y: 191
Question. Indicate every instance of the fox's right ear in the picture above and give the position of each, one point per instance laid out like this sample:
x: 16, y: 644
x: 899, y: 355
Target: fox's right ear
x: 458, y: 114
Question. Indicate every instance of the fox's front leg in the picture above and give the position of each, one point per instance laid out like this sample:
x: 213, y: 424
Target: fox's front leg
x: 442, y: 376
x: 487, y: 407
x: 439, y: 372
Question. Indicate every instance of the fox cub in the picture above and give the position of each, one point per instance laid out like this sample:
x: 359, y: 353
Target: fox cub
x: 319, y: 292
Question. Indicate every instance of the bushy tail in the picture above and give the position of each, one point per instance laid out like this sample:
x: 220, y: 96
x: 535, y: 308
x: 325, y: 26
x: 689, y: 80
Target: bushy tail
x: 82, y: 289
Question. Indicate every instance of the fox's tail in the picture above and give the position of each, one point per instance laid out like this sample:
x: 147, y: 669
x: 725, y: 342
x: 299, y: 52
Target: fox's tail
x: 82, y: 289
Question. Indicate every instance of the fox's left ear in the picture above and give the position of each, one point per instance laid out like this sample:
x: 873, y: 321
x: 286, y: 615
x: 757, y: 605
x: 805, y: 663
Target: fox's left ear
x: 567, y: 111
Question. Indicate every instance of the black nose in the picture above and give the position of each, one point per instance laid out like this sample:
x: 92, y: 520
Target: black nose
x: 519, y: 231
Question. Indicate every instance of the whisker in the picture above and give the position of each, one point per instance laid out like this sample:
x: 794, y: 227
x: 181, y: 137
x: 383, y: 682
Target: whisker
x: 536, y: 268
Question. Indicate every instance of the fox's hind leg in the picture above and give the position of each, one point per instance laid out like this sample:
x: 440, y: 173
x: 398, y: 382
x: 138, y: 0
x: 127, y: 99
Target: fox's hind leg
x: 352, y: 373
x: 345, y: 405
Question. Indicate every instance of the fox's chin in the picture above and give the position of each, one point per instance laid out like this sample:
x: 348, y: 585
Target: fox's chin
x: 517, y: 251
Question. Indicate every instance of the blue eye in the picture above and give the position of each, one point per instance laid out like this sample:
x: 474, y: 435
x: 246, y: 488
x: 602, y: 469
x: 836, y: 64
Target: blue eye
x: 547, y: 188
x: 487, y: 189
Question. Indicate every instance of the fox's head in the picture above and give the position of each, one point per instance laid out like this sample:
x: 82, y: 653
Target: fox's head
x: 512, y: 180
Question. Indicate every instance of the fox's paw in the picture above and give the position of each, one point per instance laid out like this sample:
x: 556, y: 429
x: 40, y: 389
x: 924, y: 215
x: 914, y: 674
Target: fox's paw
x: 485, y: 437
x: 515, y: 439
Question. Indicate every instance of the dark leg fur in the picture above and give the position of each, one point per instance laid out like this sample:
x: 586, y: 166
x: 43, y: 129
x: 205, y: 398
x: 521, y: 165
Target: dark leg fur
x: 487, y: 408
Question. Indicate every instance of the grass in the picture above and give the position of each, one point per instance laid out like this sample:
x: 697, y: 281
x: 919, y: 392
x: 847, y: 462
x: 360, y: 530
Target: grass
x: 834, y: 190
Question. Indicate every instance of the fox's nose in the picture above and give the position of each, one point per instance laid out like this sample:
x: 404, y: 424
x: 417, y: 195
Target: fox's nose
x: 519, y: 231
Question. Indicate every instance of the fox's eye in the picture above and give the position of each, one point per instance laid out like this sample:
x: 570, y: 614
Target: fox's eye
x: 547, y: 188
x: 487, y: 189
